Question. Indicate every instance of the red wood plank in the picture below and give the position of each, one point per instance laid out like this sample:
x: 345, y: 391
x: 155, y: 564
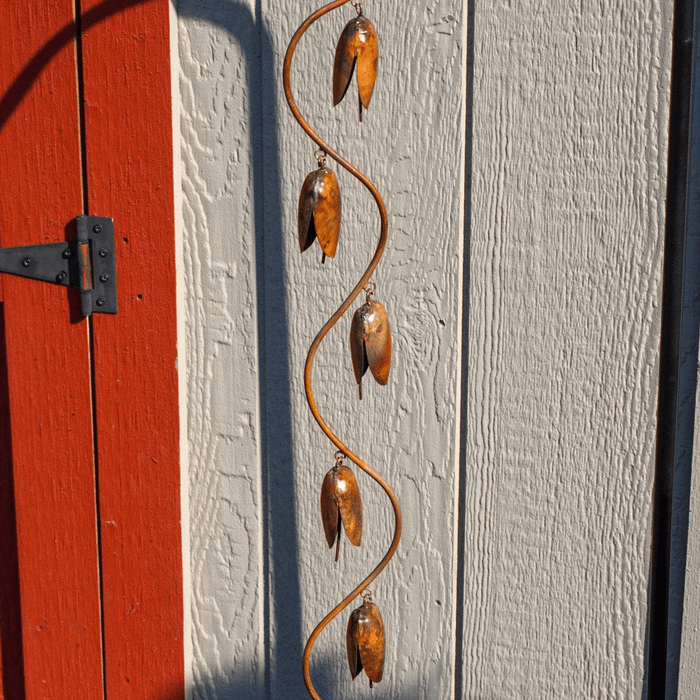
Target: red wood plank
x: 128, y: 118
x: 48, y: 359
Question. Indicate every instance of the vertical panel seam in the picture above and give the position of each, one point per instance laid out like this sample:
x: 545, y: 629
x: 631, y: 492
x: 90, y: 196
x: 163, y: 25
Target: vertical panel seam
x: 462, y: 427
x: 182, y: 365
x: 80, y: 75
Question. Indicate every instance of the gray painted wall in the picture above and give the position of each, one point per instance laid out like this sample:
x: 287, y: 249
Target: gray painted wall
x: 522, y: 159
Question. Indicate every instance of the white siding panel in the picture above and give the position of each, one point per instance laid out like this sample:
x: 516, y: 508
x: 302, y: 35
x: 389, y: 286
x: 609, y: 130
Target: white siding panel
x: 570, y: 144
x: 226, y: 494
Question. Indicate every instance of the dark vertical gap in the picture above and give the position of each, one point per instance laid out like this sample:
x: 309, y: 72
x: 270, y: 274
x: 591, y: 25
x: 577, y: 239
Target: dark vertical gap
x: 90, y: 327
x: 11, y: 652
x: 98, y: 527
x: 670, y: 347
x: 463, y: 427
x: 81, y: 103
x: 687, y: 388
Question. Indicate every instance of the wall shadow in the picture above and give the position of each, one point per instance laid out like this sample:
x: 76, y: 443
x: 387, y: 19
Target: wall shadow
x: 283, y: 641
x: 329, y: 679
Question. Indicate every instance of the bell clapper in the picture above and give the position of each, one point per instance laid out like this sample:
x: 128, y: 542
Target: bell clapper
x: 337, y: 544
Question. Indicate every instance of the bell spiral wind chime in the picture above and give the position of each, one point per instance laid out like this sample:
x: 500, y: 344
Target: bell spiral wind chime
x: 370, y: 337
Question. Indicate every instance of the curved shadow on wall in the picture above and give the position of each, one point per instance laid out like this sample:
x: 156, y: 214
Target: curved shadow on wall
x: 21, y: 85
x: 283, y: 642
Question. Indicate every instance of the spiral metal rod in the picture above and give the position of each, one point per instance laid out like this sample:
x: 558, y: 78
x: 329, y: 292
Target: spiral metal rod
x: 326, y: 328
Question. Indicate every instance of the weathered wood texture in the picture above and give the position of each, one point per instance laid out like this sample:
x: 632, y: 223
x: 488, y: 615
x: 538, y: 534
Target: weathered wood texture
x: 569, y: 152
x: 129, y: 154
x: 48, y: 358
x: 262, y: 573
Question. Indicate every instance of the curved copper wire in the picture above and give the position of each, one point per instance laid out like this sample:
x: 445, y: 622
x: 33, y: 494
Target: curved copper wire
x: 324, y: 331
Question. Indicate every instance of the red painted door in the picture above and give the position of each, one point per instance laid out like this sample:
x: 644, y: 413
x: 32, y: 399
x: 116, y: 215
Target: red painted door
x: 91, y: 601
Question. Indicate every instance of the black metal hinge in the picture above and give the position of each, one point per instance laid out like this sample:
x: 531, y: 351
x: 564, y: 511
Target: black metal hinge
x: 87, y: 264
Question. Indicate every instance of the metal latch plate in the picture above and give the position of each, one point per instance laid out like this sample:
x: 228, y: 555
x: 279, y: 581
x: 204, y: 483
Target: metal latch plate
x: 98, y: 232
x: 87, y: 264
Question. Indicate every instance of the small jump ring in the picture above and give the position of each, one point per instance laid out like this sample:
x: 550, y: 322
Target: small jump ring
x: 370, y: 288
x: 339, y: 457
x: 320, y: 156
x: 366, y: 594
x: 357, y: 4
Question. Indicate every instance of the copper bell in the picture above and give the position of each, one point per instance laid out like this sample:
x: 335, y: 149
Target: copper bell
x: 319, y: 210
x: 370, y: 341
x: 341, y: 505
x: 357, y: 47
x: 366, y: 640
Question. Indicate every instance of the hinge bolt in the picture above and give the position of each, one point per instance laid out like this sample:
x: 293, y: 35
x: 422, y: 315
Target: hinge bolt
x: 103, y: 253
x: 104, y: 278
x: 67, y: 253
x: 97, y: 228
x: 61, y: 276
x: 26, y: 262
x: 100, y: 302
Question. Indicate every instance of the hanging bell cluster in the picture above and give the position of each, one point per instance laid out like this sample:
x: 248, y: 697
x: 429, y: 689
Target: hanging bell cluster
x: 320, y: 202
x: 341, y: 507
x: 366, y: 640
x: 319, y: 218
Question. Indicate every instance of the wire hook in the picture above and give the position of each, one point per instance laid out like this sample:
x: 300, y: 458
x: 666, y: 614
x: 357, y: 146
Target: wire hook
x: 320, y: 156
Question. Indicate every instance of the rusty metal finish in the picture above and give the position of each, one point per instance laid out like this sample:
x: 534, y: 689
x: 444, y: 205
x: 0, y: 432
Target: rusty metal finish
x: 366, y: 642
x: 370, y: 342
x: 357, y: 48
x: 341, y: 504
x: 86, y: 266
x: 324, y: 331
x: 319, y: 211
